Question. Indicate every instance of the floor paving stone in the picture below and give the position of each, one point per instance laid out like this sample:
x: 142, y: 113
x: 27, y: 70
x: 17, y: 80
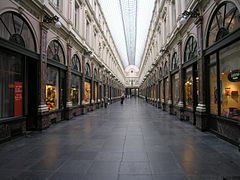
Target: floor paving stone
x: 122, y: 142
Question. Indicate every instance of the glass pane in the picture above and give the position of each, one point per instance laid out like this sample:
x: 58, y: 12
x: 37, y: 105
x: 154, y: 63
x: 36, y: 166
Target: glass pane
x: 87, y: 92
x: 230, y: 81
x: 175, y: 88
x: 75, y: 90
x: 189, y: 88
x: 11, y: 83
x: 52, y: 88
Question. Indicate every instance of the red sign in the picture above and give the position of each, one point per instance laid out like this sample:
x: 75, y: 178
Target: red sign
x: 17, y: 98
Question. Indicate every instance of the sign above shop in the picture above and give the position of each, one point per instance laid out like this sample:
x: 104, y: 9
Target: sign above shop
x: 234, y: 76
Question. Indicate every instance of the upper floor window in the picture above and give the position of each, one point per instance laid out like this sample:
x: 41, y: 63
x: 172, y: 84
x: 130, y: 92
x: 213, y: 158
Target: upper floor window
x: 76, y: 63
x: 95, y: 76
x: 77, y: 15
x: 57, y: 4
x: 190, y: 52
x: 14, y: 27
x: 225, y: 20
x: 55, y: 52
x: 87, y: 30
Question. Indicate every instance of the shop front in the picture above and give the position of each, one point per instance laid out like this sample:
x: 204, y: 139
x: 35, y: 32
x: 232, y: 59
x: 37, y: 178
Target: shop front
x: 76, y: 78
x: 56, y: 82
x: 18, y: 75
x: 175, y: 82
x: 190, y: 69
x: 223, y: 64
x: 165, y: 87
x: 87, y: 89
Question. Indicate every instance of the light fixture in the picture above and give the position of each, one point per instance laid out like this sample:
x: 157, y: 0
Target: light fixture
x: 53, y: 19
x: 188, y: 13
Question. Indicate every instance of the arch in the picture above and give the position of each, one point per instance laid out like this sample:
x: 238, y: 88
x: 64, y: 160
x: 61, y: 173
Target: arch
x: 224, y: 21
x: 15, y: 28
x: 175, y: 62
x: 160, y: 73
x: 76, y: 65
x: 55, y: 52
x: 190, y: 51
x: 165, y: 69
x: 95, y: 74
x: 87, y: 70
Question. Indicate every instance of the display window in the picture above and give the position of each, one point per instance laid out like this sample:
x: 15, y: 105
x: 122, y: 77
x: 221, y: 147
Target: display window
x: 52, y: 88
x: 225, y: 84
x: 11, y: 82
x: 75, y: 90
x: 188, y: 87
x: 87, y: 92
x: 175, y: 88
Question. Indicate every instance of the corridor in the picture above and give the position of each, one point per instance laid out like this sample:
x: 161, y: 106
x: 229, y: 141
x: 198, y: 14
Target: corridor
x: 133, y: 141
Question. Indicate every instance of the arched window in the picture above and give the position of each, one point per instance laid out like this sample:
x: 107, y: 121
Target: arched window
x: 87, y: 70
x: 174, y: 61
x: 165, y: 69
x: 76, y: 63
x: 224, y: 21
x: 160, y: 73
x: 14, y: 27
x: 55, y: 52
x: 190, y: 52
x: 95, y: 74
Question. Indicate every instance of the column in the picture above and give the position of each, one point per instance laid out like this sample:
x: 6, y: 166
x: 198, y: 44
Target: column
x: 69, y: 76
x: 83, y: 79
x: 181, y: 80
x: 42, y: 107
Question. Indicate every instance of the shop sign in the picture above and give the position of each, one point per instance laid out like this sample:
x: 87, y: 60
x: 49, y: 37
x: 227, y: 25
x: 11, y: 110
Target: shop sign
x: 17, y: 98
x: 234, y: 76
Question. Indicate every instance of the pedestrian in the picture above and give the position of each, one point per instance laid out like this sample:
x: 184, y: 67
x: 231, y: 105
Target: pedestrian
x: 122, y: 98
x: 105, y: 101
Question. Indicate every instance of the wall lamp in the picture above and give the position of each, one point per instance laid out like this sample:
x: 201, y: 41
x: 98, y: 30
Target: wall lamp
x: 53, y: 19
x: 188, y: 13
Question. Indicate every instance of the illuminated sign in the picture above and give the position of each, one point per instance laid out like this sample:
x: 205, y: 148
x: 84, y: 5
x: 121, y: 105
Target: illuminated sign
x: 234, y: 76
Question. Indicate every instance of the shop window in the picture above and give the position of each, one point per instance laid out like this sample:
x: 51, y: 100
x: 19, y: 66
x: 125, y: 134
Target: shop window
x: 224, y: 21
x: 165, y: 89
x: 76, y: 63
x: 230, y: 81
x: 75, y: 90
x: 190, y: 52
x: 55, y: 52
x: 11, y: 82
x: 14, y: 27
x: 52, y: 88
x: 188, y: 87
x: 213, y: 85
x: 87, y: 92
x: 175, y: 88
x: 96, y: 91
x: 87, y: 70
x: 174, y: 61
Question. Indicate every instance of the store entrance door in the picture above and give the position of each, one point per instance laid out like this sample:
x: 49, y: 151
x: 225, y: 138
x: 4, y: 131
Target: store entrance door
x: 31, y: 93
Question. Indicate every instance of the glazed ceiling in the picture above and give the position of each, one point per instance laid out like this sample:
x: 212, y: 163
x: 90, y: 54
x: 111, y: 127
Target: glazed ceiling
x: 128, y: 21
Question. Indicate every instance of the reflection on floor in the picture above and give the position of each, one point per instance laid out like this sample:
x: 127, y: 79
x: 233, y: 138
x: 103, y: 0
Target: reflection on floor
x: 133, y: 141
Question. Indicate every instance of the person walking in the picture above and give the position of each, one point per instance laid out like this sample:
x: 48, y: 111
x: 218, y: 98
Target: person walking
x: 122, y: 98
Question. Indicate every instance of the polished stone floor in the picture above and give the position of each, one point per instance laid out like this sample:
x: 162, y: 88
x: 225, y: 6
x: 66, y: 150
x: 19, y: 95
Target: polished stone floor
x: 133, y: 141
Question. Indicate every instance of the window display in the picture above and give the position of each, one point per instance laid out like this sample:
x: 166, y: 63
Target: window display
x: 11, y: 82
x: 52, y: 88
x: 175, y: 88
x: 188, y: 86
x: 87, y: 92
x: 75, y: 90
x: 230, y: 81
